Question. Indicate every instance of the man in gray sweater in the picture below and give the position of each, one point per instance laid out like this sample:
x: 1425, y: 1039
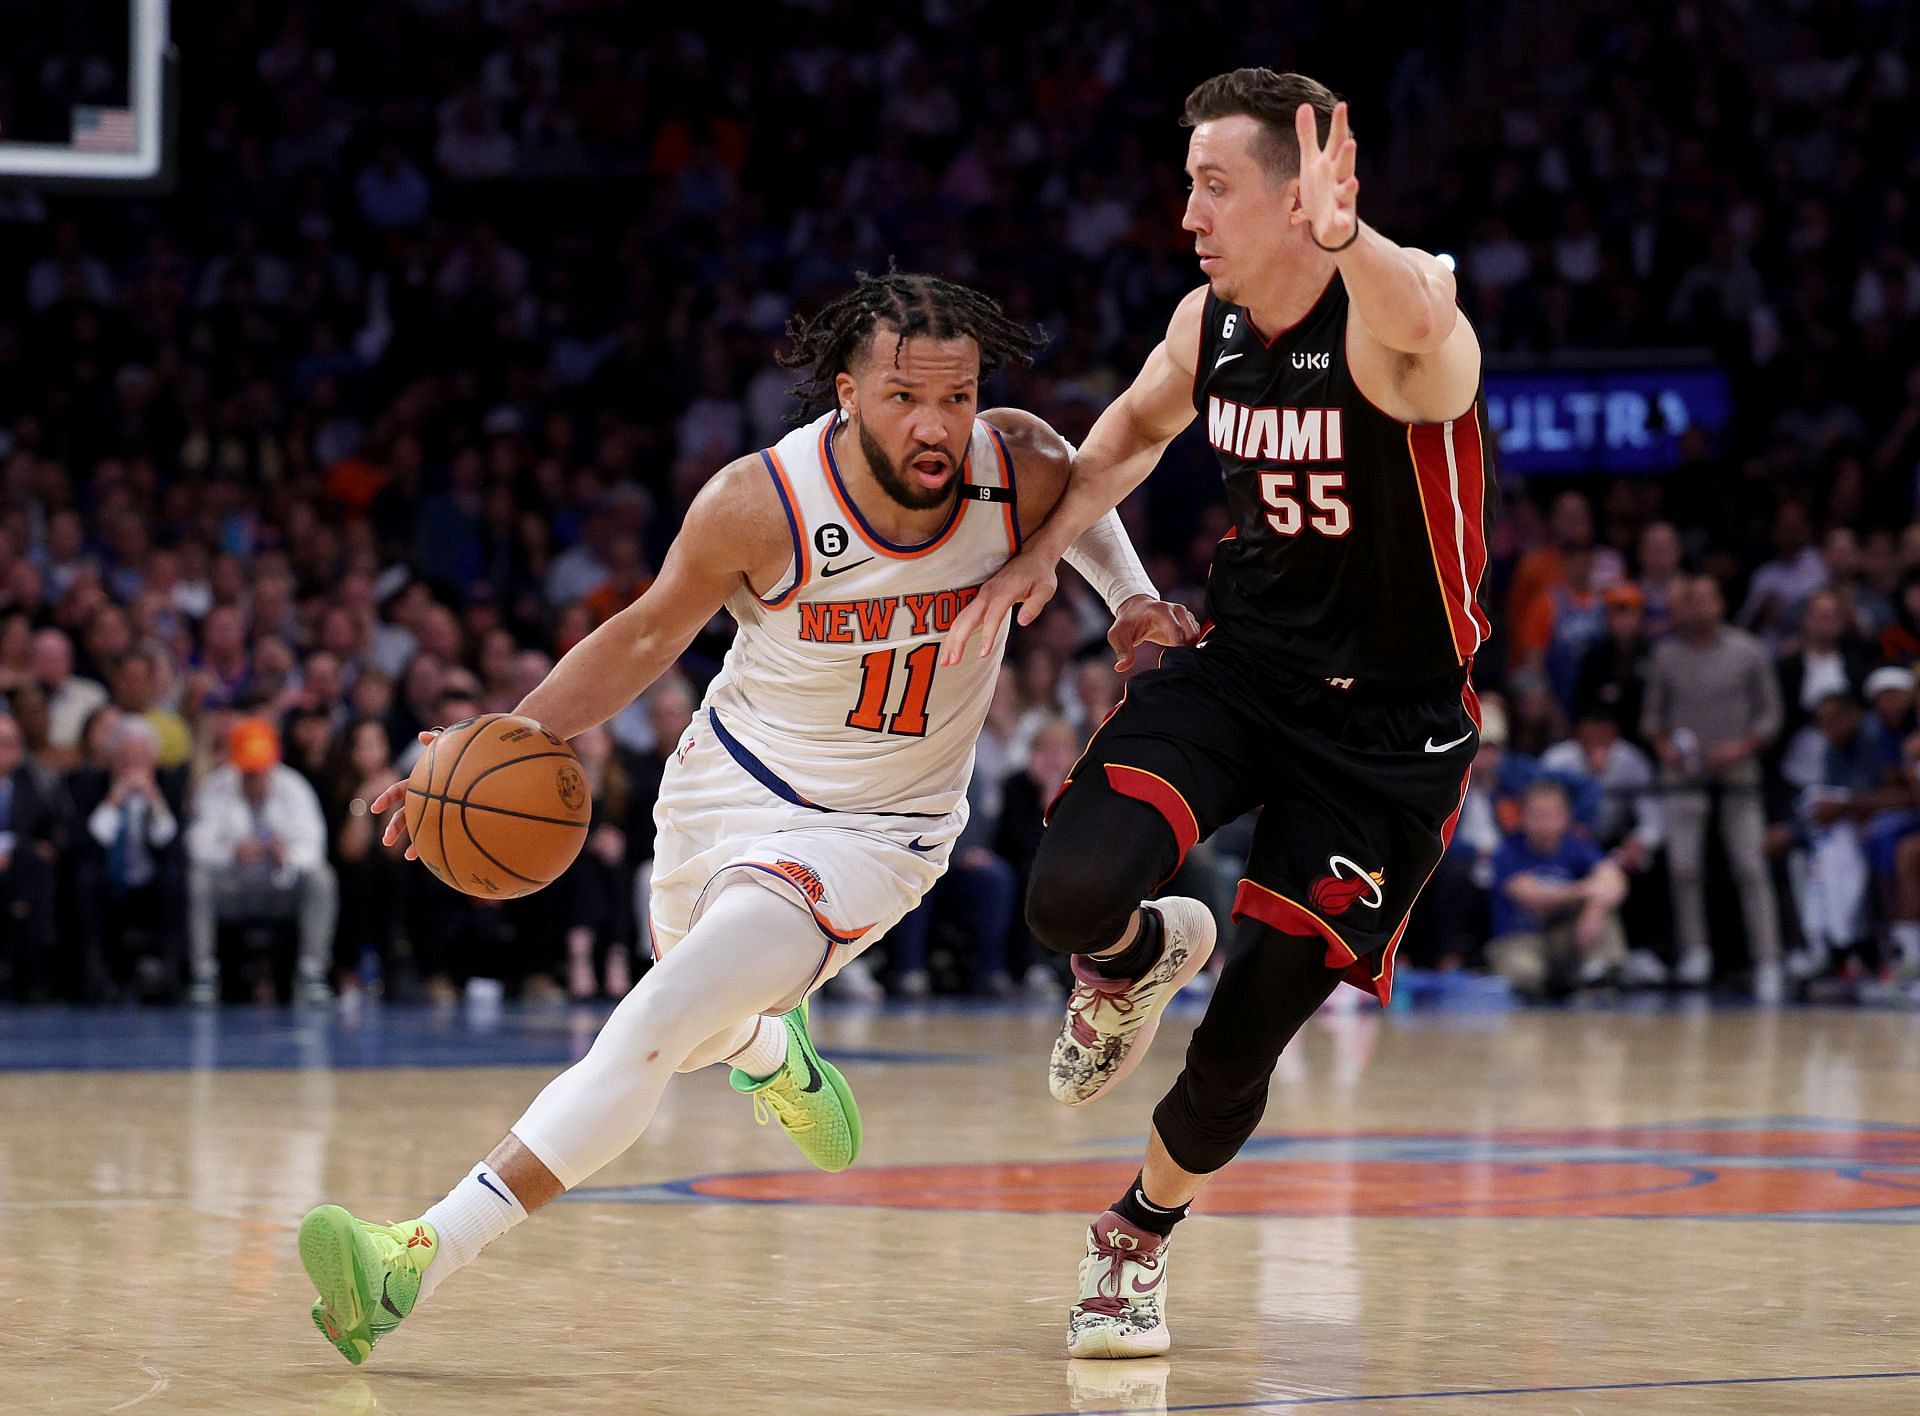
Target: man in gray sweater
x: 1713, y: 704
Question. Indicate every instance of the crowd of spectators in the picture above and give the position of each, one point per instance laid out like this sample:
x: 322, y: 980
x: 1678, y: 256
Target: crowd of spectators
x: 456, y: 302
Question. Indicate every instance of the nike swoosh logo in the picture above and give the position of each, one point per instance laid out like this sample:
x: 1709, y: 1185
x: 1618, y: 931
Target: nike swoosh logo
x: 1226, y: 359
x: 922, y: 845
x: 814, y: 1079
x: 387, y: 1302
x: 829, y: 571
x: 503, y: 1199
x: 1445, y: 746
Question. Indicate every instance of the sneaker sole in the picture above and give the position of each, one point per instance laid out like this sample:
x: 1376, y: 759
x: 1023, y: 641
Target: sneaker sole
x: 1103, y: 1345
x: 830, y: 1074
x: 328, y: 1239
x: 1196, y: 961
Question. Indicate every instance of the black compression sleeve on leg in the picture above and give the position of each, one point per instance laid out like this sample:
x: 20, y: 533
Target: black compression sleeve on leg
x: 1140, y: 956
x: 1101, y: 855
x: 1271, y: 985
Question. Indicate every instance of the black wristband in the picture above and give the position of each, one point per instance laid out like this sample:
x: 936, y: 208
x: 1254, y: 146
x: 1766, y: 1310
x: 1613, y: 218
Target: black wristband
x: 1334, y: 250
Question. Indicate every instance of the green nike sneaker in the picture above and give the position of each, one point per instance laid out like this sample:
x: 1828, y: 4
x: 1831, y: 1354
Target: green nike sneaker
x: 813, y: 1101
x: 368, y: 1275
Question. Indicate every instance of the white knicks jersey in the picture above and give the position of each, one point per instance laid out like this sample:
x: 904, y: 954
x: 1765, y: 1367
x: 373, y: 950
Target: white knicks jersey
x: 833, y: 694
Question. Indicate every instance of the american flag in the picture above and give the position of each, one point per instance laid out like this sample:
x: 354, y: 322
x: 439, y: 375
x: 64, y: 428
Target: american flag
x: 104, y: 130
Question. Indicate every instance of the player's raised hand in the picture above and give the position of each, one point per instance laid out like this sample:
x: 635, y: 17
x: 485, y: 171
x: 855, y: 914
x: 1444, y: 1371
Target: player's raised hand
x: 396, y: 795
x: 1027, y: 581
x: 1145, y: 620
x: 1328, y: 188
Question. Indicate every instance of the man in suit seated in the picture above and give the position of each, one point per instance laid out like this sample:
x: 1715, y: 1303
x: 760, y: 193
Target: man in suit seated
x: 128, y: 873
x: 33, y: 829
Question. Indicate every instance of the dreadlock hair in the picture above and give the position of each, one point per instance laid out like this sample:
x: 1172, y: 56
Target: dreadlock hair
x: 911, y: 305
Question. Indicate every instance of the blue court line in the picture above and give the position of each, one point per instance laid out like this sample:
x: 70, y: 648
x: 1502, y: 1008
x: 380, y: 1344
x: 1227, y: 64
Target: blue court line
x: 1284, y: 1402
x: 469, y: 1057
x: 242, y: 1038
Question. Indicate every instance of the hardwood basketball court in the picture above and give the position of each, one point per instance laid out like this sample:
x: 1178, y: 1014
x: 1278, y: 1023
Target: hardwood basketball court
x: 1677, y: 1210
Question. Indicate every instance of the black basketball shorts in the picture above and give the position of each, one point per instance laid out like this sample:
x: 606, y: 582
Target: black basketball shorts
x: 1358, y: 787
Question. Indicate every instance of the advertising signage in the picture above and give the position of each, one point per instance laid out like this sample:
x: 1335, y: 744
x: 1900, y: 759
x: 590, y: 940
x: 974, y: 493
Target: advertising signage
x: 1612, y: 420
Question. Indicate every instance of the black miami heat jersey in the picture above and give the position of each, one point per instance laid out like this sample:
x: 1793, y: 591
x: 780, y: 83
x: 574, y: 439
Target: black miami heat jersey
x: 1358, y: 541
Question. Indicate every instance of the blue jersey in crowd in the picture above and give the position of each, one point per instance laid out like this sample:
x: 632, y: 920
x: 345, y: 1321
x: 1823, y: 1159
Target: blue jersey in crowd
x: 1574, y: 860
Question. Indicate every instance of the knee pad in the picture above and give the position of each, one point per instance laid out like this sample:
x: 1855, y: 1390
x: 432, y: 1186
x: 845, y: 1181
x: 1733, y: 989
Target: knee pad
x: 1070, y: 912
x: 1101, y: 855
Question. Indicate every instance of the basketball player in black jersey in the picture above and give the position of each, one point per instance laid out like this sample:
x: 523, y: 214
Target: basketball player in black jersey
x: 1339, y: 386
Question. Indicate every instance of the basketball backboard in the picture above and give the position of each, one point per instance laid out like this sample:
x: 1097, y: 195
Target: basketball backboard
x: 86, y: 94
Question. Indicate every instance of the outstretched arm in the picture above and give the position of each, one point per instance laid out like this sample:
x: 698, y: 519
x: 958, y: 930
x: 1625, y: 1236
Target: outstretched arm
x: 1124, y: 446
x: 1411, y: 349
x: 1403, y: 296
x: 619, y: 661
x: 1127, y: 441
x: 733, y: 531
x: 1102, y: 553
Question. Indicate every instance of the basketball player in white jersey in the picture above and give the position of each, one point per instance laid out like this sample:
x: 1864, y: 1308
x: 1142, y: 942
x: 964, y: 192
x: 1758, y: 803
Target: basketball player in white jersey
x: 818, y: 792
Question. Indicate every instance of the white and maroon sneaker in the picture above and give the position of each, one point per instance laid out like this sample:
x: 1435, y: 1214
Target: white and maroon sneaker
x: 1123, y: 1282
x: 1110, y: 1021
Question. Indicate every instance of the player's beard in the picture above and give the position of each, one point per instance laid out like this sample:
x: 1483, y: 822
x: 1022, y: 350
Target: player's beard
x: 895, y: 485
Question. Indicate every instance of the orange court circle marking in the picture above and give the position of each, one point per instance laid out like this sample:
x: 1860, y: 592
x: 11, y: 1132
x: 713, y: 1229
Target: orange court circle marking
x: 1648, y: 1173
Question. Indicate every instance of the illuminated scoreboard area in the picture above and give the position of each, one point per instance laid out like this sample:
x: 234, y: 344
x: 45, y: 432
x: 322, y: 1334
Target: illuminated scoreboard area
x: 1618, y: 420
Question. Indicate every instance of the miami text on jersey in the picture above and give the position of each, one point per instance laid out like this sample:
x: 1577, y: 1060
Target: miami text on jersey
x: 1274, y: 434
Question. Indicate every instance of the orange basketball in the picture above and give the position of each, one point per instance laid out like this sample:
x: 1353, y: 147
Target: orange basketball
x: 497, y: 806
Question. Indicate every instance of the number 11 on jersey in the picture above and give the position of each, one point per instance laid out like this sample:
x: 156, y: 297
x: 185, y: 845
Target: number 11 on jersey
x: 876, y: 683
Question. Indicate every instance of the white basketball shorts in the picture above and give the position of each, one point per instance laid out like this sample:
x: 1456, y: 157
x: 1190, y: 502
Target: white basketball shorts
x: 721, y: 810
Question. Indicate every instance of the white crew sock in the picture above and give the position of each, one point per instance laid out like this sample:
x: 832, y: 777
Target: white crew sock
x: 475, y: 1212
x: 752, y: 947
x: 767, y: 1053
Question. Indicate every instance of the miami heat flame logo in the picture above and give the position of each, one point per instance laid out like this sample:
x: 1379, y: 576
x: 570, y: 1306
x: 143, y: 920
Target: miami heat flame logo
x: 1349, y: 883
